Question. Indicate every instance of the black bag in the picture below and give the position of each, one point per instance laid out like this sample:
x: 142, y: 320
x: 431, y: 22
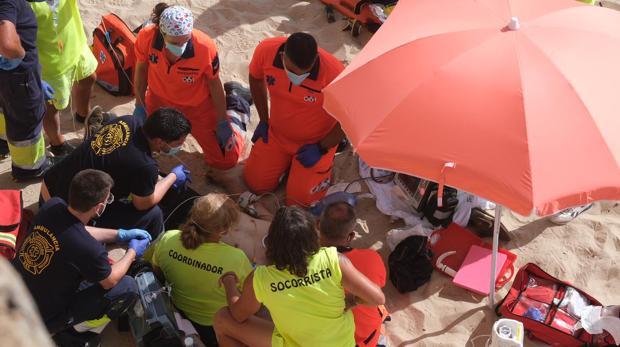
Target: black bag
x: 410, y: 264
x: 440, y: 216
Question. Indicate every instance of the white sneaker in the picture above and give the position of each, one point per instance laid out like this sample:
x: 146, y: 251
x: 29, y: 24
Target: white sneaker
x: 569, y: 214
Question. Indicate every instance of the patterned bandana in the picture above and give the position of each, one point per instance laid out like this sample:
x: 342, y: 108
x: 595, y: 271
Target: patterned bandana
x: 176, y: 21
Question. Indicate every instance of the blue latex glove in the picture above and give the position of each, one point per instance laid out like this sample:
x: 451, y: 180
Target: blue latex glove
x: 309, y: 155
x: 223, y: 133
x: 48, y: 91
x: 183, y: 176
x: 534, y: 314
x: 126, y: 235
x: 261, y: 132
x: 9, y: 64
x: 140, y: 113
x: 139, y: 246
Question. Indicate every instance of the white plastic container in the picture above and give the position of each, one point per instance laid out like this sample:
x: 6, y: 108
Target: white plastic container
x: 507, y: 333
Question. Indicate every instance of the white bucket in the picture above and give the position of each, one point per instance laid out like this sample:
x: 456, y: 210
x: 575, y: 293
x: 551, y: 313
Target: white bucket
x: 507, y: 333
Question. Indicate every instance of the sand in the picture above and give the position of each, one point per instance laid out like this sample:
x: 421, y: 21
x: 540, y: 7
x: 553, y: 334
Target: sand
x: 585, y: 252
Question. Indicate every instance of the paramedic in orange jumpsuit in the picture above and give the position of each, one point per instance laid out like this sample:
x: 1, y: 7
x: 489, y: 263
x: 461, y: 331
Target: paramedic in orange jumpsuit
x: 177, y: 67
x: 296, y: 134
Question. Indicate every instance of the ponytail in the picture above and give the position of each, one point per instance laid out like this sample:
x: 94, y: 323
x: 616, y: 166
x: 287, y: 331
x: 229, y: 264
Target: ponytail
x: 210, y: 217
x: 190, y: 236
x: 157, y: 11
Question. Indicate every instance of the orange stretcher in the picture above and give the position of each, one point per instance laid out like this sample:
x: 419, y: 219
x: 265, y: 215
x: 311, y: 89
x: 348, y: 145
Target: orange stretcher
x: 358, y: 12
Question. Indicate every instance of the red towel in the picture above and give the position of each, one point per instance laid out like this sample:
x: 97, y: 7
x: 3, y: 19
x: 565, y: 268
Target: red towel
x: 10, y: 218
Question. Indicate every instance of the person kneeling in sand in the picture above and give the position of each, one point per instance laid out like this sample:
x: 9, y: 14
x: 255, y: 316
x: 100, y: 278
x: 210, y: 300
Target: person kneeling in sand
x: 337, y: 225
x: 303, y: 289
x: 178, y: 66
x: 124, y: 149
x: 193, y: 259
x: 66, y: 268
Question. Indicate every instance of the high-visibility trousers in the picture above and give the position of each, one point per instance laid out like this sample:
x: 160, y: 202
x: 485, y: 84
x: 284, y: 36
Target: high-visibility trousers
x: 21, y: 118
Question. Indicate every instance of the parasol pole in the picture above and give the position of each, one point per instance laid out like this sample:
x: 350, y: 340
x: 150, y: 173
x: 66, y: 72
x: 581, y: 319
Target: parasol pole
x: 496, y: 226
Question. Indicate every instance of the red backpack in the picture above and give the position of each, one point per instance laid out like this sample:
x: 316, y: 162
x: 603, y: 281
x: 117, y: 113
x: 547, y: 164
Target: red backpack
x: 14, y: 222
x: 536, y: 299
x: 113, y: 46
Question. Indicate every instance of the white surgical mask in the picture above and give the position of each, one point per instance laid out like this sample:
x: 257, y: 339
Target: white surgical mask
x: 176, y: 50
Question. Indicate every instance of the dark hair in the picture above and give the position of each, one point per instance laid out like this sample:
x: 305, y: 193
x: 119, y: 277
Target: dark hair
x: 337, y: 220
x: 214, y: 213
x: 88, y: 188
x: 291, y: 240
x: 167, y: 124
x: 301, y: 49
x: 157, y: 11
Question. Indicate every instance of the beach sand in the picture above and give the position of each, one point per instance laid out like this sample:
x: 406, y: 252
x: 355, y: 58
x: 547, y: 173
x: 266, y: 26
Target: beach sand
x: 585, y: 252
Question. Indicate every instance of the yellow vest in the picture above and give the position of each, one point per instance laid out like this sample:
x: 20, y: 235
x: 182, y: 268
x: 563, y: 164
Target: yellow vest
x: 61, y: 37
x: 307, y: 311
x: 194, y: 274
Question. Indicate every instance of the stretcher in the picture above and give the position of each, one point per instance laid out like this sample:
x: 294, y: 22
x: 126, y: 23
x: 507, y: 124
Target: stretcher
x: 360, y: 13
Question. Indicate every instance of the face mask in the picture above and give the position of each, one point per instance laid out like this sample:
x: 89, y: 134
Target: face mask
x: 295, y: 78
x: 172, y: 151
x: 99, y: 214
x: 176, y: 50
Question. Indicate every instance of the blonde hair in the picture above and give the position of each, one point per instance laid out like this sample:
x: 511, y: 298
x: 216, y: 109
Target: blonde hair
x: 214, y: 213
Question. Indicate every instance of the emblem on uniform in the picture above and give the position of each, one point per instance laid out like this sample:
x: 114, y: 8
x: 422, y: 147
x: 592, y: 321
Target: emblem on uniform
x: 110, y: 137
x: 153, y: 58
x: 309, y: 98
x: 102, y: 57
x: 321, y: 186
x: 188, y: 79
x: 36, y: 253
x: 270, y: 80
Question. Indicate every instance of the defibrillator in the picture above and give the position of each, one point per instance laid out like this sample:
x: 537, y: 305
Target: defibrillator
x: 151, y: 320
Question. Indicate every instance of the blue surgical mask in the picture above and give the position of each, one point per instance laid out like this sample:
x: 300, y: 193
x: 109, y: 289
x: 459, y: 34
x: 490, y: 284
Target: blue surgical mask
x: 297, y: 79
x: 293, y: 77
x: 172, y: 151
x: 176, y: 50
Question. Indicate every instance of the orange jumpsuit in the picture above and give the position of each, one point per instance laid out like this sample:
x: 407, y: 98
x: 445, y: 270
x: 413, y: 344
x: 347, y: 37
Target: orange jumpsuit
x: 296, y: 118
x: 183, y: 86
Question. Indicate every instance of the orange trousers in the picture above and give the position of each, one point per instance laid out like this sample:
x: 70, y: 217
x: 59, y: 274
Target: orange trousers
x: 268, y: 162
x: 203, y: 120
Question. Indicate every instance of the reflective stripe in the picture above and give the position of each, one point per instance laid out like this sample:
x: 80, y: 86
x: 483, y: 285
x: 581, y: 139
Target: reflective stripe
x: 94, y: 326
x: 28, y: 154
x: 8, y: 237
x: 2, y: 125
